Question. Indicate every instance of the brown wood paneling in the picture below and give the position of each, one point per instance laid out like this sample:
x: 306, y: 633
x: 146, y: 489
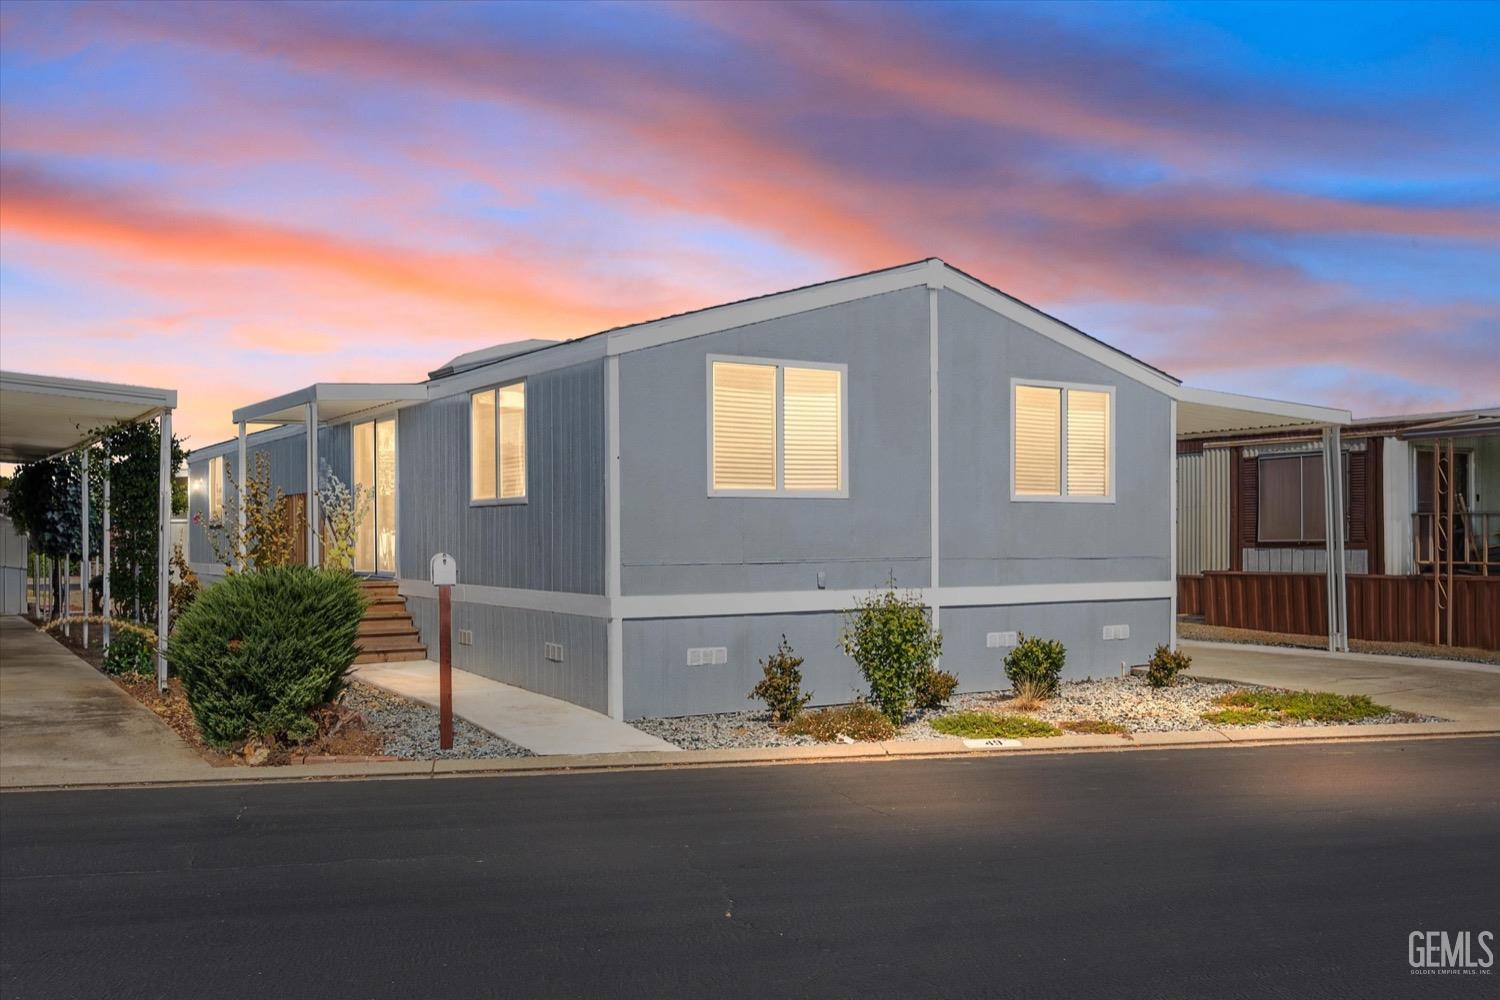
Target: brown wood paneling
x: 1381, y: 608
x: 1190, y: 595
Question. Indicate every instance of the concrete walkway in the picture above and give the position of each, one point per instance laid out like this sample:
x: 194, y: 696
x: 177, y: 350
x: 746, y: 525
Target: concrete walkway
x: 64, y: 723
x: 540, y: 724
x: 1462, y: 692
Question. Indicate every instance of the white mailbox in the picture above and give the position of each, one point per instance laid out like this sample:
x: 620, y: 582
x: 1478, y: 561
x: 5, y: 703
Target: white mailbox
x: 444, y: 571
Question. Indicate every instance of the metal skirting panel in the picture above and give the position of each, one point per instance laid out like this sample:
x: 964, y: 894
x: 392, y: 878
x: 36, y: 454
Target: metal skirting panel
x: 1301, y: 560
x: 1203, y: 511
x: 660, y: 682
x: 510, y: 645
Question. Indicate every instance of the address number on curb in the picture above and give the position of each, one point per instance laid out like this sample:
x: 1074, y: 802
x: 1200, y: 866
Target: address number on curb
x: 992, y: 744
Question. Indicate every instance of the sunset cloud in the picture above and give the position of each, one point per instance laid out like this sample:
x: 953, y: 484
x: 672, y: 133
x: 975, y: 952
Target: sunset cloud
x: 294, y: 192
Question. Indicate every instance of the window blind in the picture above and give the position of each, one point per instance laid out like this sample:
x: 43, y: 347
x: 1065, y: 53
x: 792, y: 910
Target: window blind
x: 482, y: 474
x: 811, y: 449
x: 744, y: 426
x: 1038, y: 446
x: 1088, y: 443
x: 513, y: 441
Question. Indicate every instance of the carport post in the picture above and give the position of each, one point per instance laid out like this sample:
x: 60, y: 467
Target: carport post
x: 239, y: 501
x: 84, y: 563
x: 312, y: 482
x: 163, y: 549
x: 1333, y: 538
x: 108, y: 609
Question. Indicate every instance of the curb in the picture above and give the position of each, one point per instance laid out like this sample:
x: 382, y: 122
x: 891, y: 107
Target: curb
x: 824, y: 753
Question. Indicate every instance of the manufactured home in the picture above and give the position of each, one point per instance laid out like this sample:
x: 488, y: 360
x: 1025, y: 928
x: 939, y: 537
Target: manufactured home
x: 639, y: 515
x: 1420, y: 532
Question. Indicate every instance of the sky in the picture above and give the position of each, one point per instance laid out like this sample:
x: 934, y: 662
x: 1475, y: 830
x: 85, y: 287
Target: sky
x: 1292, y: 200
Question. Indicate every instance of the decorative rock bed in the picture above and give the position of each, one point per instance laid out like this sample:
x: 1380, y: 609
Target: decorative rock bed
x: 1126, y: 701
x: 410, y: 728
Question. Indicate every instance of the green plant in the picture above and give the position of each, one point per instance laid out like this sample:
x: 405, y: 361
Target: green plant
x: 859, y: 721
x: 258, y: 651
x: 343, y: 510
x: 890, y: 636
x: 934, y: 688
x: 988, y: 726
x: 1237, y: 717
x: 1037, y: 660
x: 182, y: 591
x: 1093, y: 726
x: 1304, y: 706
x: 256, y: 519
x: 781, y: 687
x: 1165, y: 665
x: 131, y: 651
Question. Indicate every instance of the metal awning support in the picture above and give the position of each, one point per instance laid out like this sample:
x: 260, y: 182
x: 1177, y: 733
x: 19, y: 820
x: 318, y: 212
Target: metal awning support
x: 312, y: 482
x: 1337, y: 591
x: 85, y: 564
x: 239, y: 500
x: 108, y: 609
x: 164, y: 548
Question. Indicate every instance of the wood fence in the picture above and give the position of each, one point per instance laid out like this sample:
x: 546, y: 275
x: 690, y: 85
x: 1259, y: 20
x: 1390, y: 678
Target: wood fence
x: 1381, y: 608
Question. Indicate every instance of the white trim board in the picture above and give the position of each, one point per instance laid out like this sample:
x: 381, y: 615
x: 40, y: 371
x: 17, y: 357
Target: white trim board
x: 582, y: 605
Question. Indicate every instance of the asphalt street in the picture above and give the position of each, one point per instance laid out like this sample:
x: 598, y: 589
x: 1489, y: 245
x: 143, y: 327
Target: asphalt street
x: 1295, y: 871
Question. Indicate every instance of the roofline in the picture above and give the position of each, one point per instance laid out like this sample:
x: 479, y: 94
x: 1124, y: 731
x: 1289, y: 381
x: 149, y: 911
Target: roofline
x: 331, y: 392
x: 110, y: 392
x: 1312, y: 416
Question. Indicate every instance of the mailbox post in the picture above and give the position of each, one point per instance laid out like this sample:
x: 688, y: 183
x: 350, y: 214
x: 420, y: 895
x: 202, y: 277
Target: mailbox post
x: 444, y: 572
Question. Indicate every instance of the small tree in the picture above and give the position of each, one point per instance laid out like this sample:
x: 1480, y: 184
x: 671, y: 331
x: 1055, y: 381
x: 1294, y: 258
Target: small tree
x: 254, y: 517
x: 342, y: 511
x: 781, y: 687
x: 890, y: 636
x: 1165, y: 665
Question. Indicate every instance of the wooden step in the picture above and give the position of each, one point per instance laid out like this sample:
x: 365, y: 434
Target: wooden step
x: 379, y: 586
x: 379, y: 599
x: 386, y: 612
x: 387, y: 626
x: 391, y: 656
x: 373, y: 643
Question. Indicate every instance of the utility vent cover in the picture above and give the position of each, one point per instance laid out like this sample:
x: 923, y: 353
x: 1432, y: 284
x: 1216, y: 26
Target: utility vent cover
x: 554, y: 652
x: 704, y: 656
x: 998, y: 640
x: 465, y: 637
x: 1116, y: 632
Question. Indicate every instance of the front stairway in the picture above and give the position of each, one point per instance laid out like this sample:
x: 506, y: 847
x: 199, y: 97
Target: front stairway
x: 386, y: 633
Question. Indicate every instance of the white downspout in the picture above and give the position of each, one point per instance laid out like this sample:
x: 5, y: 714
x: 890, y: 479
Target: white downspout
x: 164, y: 545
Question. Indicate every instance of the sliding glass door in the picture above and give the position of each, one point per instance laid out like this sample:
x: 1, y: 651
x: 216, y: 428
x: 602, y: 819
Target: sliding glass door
x: 375, y: 479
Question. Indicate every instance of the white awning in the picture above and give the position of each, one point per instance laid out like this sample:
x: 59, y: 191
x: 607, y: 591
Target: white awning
x: 336, y: 400
x: 45, y: 415
x: 1205, y: 411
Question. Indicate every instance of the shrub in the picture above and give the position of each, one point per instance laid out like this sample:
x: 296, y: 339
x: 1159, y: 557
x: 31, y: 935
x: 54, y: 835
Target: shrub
x: 859, y: 721
x: 934, y: 688
x: 1093, y: 727
x: 1165, y: 665
x: 1037, y: 660
x: 987, y: 726
x: 1304, y: 706
x: 259, y: 650
x: 781, y: 687
x: 130, y: 652
x: 890, y: 636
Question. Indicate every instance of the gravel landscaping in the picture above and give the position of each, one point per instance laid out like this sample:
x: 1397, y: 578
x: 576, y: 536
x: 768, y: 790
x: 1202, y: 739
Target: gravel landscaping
x: 1125, y: 701
x: 410, y: 728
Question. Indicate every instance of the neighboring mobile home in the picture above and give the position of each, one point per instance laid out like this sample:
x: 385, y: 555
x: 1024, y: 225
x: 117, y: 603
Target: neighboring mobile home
x: 1423, y: 501
x: 639, y: 515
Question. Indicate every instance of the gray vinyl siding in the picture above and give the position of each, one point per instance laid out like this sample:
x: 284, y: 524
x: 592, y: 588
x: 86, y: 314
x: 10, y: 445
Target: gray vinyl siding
x: 658, y: 681
x: 509, y: 646
x: 553, y: 541
x: 988, y: 539
x: 676, y: 539
x: 198, y: 547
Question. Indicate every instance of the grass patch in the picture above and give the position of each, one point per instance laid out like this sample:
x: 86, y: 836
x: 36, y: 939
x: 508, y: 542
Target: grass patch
x: 1305, y: 706
x: 987, y: 726
x: 1237, y: 717
x: 858, y: 722
x: 1093, y: 727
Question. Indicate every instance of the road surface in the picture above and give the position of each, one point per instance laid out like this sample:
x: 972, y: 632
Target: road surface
x: 1287, y: 871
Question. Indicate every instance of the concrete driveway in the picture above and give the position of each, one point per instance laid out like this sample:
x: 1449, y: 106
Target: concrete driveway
x: 1461, y: 692
x: 63, y: 723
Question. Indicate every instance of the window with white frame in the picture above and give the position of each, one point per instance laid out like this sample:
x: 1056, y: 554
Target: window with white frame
x: 1062, y: 443
x: 776, y: 428
x: 497, y: 443
x: 216, y: 488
